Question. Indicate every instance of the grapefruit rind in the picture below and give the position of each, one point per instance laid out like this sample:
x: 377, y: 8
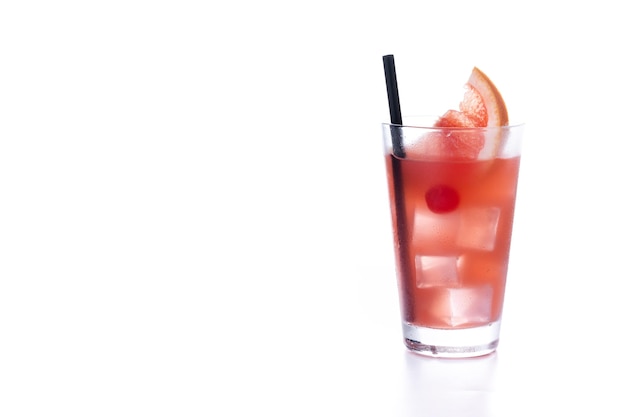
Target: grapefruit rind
x: 497, y: 114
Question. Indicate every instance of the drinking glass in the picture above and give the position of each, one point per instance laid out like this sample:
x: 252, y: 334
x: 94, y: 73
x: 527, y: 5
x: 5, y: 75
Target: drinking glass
x: 452, y: 196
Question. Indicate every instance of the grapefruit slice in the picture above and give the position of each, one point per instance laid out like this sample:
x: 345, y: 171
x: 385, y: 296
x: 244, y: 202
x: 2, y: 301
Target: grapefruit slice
x: 493, y: 107
x: 482, y: 106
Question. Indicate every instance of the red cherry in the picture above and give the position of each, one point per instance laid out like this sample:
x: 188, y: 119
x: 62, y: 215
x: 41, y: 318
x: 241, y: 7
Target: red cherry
x: 442, y: 199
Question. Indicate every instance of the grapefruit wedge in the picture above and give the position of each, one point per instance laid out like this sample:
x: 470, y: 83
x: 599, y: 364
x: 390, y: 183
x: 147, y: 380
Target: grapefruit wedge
x: 482, y: 106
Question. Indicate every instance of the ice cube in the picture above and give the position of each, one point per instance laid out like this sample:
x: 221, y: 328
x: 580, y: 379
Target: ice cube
x: 455, y: 306
x: 435, y: 234
x: 436, y: 271
x: 470, y: 304
x: 481, y: 267
x: 478, y: 228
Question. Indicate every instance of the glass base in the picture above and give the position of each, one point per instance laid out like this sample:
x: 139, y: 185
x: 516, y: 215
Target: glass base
x: 452, y: 343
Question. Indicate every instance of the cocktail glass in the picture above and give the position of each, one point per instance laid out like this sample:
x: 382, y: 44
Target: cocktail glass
x: 452, y: 214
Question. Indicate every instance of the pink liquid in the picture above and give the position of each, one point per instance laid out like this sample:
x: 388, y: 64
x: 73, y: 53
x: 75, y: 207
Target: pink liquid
x: 453, y: 250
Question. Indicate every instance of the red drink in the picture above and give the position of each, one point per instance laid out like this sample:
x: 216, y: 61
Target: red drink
x: 458, y: 218
x: 452, y: 195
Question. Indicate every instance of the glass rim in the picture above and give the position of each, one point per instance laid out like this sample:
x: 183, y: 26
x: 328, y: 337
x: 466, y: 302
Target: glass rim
x: 425, y: 122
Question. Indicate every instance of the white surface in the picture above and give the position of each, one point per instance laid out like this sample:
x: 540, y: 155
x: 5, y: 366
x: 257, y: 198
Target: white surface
x: 194, y: 219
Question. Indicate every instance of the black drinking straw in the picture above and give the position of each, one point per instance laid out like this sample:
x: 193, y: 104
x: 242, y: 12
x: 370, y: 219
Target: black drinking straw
x: 392, y: 90
x: 398, y: 152
x: 394, y: 104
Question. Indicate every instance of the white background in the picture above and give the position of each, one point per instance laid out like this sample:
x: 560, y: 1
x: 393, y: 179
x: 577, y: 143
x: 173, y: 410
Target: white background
x: 194, y: 216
